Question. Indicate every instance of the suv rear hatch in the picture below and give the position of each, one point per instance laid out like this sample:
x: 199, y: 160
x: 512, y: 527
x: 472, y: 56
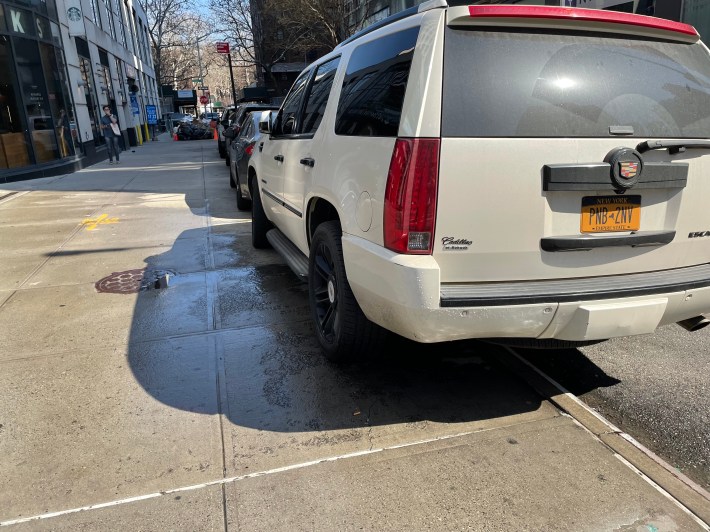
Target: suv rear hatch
x: 537, y: 105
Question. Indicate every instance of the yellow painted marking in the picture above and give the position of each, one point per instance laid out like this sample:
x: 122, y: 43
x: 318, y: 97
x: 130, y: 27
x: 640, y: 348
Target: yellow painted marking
x: 103, y: 219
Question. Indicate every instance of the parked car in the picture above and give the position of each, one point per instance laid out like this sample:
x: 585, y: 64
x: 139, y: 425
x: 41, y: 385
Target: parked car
x: 240, y: 149
x: 179, y: 117
x: 224, y: 122
x: 206, y: 118
x: 238, y: 118
x: 527, y: 174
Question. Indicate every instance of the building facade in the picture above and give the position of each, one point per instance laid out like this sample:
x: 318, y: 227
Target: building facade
x: 62, y: 61
x: 362, y: 13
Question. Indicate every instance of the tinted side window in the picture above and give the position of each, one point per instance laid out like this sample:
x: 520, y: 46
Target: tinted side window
x: 288, y: 115
x: 318, y: 96
x: 248, y: 128
x: 374, y: 85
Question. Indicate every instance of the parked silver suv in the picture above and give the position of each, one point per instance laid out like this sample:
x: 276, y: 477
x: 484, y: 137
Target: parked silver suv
x: 530, y: 174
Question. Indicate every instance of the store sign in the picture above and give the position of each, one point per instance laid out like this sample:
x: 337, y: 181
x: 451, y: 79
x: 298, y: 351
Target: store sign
x: 75, y: 18
x: 43, y: 29
x: 134, y: 105
x: 185, y: 95
x: 20, y: 21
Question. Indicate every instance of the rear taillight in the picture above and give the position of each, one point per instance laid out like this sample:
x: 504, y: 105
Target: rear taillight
x: 410, y: 196
x: 249, y: 150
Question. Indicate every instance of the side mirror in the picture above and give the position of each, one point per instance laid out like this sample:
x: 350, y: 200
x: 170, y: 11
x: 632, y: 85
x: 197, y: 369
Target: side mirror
x: 265, y: 127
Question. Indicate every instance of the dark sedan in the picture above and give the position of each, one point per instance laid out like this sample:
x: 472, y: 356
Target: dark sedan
x: 240, y: 149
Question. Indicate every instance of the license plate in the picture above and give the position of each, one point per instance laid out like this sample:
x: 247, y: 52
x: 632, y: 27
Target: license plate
x: 606, y: 214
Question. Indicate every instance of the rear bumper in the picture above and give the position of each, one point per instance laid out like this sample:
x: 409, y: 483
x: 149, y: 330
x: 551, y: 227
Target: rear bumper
x: 403, y: 293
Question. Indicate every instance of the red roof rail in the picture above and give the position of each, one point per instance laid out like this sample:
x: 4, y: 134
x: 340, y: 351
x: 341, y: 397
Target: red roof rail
x: 591, y: 15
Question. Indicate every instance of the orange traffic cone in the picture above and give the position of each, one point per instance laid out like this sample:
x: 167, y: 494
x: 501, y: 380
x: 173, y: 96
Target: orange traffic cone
x: 215, y: 136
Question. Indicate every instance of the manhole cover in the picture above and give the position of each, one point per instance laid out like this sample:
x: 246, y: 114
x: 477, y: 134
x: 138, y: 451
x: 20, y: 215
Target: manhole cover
x: 132, y: 281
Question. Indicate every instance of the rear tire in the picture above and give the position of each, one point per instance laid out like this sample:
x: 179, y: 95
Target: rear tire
x: 342, y: 329
x: 232, y: 184
x: 260, y: 224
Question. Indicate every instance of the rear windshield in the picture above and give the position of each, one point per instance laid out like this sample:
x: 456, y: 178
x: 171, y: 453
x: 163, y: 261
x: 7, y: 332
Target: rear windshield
x: 522, y: 84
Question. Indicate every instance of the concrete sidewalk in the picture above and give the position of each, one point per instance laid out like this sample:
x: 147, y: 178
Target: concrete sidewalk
x: 206, y: 405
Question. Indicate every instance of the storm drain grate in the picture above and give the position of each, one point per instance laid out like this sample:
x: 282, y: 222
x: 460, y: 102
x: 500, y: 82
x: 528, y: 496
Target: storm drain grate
x: 133, y: 281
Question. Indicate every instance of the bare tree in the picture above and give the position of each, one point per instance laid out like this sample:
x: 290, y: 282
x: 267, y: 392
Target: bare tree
x: 165, y: 18
x: 179, y: 40
x: 324, y: 22
x: 267, y: 32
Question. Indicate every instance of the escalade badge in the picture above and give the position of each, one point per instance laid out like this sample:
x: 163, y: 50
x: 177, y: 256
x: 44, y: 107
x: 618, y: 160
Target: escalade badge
x: 626, y: 166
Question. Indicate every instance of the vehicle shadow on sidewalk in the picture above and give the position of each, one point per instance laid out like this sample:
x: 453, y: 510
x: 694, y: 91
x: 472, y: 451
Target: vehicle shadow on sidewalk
x: 232, y: 334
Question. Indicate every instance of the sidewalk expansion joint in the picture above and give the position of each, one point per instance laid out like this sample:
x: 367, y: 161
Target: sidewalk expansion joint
x: 238, y: 478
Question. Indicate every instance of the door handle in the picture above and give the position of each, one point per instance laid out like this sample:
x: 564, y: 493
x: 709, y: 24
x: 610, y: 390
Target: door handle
x: 308, y: 161
x: 261, y: 146
x: 279, y: 158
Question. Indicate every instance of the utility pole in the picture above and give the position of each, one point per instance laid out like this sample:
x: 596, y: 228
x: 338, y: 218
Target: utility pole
x: 231, y: 77
x: 202, y: 80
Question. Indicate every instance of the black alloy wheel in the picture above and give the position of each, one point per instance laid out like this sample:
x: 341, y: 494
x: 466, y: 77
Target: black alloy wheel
x: 343, y: 331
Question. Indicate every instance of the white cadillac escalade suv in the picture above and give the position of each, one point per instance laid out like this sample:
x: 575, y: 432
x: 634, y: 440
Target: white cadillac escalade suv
x: 532, y: 174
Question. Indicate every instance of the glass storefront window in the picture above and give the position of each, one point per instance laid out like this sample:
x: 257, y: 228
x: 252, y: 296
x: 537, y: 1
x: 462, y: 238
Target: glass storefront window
x: 74, y: 133
x: 37, y: 116
x: 59, y: 102
x: 14, y: 148
x: 92, y: 103
x: 40, y: 118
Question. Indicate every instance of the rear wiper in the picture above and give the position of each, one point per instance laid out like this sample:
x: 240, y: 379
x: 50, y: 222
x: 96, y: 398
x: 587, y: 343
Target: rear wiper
x: 674, y: 146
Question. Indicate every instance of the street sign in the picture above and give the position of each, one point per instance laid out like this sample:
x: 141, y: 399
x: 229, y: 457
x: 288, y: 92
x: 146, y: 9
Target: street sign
x: 197, y: 80
x: 204, y: 100
x: 222, y: 47
x: 203, y: 88
x: 152, y: 113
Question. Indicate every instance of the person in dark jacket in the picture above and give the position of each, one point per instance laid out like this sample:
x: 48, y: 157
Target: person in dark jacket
x: 112, y: 132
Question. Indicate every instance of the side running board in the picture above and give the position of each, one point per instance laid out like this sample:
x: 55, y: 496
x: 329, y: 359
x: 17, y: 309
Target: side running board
x: 293, y: 256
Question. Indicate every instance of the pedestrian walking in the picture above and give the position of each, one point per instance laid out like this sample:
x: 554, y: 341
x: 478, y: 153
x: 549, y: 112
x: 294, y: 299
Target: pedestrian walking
x: 112, y: 132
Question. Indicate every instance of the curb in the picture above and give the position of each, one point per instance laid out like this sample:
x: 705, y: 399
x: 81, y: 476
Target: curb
x: 685, y: 491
